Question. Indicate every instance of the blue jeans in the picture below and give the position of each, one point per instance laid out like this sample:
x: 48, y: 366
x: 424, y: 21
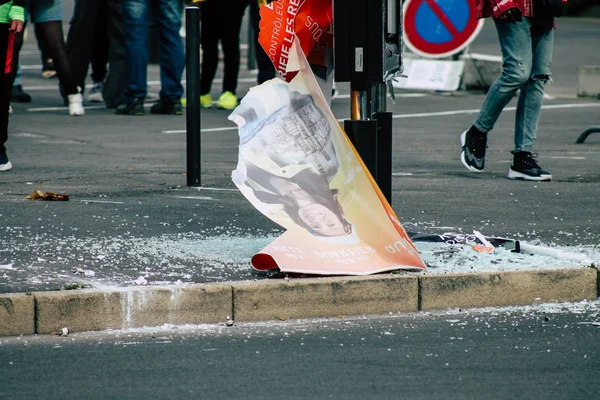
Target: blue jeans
x: 526, y: 57
x: 172, y: 58
x: 18, y: 81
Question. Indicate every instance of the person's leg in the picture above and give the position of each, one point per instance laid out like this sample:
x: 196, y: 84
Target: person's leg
x: 18, y: 81
x: 5, y: 84
x: 266, y: 70
x: 17, y: 94
x: 116, y: 80
x: 210, y: 28
x: 99, y: 55
x: 524, y: 165
x: 43, y: 53
x: 47, y: 16
x: 136, y: 14
x: 15, y: 65
x: 51, y: 34
x: 515, y: 44
x: 231, y: 17
x: 48, y: 70
x: 80, y: 37
x: 100, y: 46
x: 172, y: 56
x: 232, y: 13
x: 529, y: 104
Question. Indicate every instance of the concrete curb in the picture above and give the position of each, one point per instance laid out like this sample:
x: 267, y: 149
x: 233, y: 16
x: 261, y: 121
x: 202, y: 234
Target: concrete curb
x: 90, y: 310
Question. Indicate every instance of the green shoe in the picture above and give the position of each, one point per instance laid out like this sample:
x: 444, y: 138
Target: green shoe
x: 227, y: 101
x: 206, y: 101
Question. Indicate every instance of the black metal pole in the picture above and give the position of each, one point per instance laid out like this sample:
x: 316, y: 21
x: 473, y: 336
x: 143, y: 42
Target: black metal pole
x: 363, y: 135
x: 384, y: 153
x: 192, y: 51
x: 251, y: 55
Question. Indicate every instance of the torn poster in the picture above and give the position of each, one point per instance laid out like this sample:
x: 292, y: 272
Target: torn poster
x: 298, y: 168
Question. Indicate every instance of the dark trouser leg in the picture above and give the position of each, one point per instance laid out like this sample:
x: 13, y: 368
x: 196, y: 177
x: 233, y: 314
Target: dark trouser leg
x: 136, y: 14
x: 210, y: 29
x: 266, y: 70
x: 116, y: 81
x: 17, y: 45
x: 80, y: 38
x: 5, y: 85
x: 44, y: 54
x: 232, y: 13
x: 172, y: 55
x: 52, y: 37
x: 101, y: 45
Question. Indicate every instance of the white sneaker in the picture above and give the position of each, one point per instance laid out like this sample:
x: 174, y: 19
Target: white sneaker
x: 5, y: 165
x: 10, y: 110
x: 76, y: 104
x: 95, y: 93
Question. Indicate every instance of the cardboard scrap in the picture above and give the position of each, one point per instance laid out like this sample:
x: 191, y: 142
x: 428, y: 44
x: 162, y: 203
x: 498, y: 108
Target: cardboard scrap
x: 50, y: 196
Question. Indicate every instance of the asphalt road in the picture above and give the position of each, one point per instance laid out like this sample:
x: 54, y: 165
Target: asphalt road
x: 542, y: 352
x: 131, y: 213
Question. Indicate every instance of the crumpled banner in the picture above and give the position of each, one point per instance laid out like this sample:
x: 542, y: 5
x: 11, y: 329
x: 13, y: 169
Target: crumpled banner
x: 298, y: 168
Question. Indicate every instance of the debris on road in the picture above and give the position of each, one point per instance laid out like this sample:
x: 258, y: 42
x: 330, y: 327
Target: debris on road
x: 50, y: 196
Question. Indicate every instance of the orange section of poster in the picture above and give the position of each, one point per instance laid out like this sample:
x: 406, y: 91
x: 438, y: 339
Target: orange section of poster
x: 308, y: 20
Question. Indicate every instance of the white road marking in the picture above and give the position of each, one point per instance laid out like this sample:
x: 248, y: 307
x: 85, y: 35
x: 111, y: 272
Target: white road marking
x: 29, y: 67
x: 225, y: 128
x: 217, y: 189
x: 42, y: 109
x: 347, y: 96
x: 150, y: 83
x: 473, y: 111
x: 425, y: 115
x: 102, y: 201
x: 197, y: 198
x: 567, y: 158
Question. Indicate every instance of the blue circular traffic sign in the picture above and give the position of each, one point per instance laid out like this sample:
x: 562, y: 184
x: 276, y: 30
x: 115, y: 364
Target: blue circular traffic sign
x: 439, y: 28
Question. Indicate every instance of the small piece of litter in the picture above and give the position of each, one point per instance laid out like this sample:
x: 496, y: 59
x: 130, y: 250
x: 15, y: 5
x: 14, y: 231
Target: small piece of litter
x: 51, y: 196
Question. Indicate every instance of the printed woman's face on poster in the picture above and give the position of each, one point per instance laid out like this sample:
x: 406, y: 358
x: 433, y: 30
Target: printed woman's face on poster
x: 322, y: 220
x: 303, y: 200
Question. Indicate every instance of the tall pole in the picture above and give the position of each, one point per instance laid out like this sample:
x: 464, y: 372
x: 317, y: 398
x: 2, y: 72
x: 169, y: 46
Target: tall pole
x: 192, y: 51
x: 367, y: 37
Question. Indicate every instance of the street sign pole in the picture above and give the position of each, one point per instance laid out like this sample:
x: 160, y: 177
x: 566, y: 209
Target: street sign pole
x: 367, y: 50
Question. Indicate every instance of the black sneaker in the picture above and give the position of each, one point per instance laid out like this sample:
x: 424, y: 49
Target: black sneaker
x: 473, y: 144
x: 18, y: 95
x: 164, y: 106
x: 525, y: 167
x: 135, y: 107
x: 5, y: 165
